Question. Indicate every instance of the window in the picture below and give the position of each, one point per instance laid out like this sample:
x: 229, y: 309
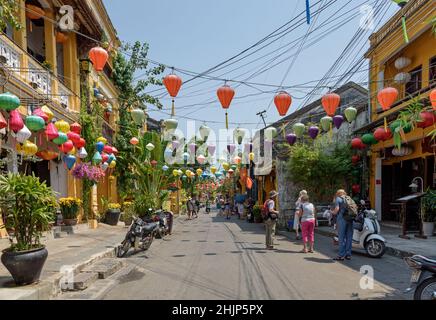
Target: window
x: 415, y: 82
x: 432, y: 74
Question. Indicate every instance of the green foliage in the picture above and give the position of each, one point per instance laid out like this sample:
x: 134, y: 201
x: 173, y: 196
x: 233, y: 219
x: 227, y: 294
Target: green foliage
x: 408, y: 120
x: 257, y: 212
x: 29, y: 206
x: 321, y: 171
x: 9, y: 14
x: 429, y: 206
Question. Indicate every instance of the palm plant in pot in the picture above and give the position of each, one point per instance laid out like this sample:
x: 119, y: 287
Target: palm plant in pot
x: 429, y: 212
x: 70, y: 210
x: 29, y: 206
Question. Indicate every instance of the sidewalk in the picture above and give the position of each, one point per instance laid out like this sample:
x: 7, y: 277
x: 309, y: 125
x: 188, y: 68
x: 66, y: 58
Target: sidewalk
x: 78, y: 250
x: 396, y: 246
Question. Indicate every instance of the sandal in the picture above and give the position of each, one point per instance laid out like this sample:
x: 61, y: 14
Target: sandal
x: 338, y: 259
x: 311, y: 251
x: 303, y: 251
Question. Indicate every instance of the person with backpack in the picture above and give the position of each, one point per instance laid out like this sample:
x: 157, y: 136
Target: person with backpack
x: 346, y: 211
x: 270, y: 217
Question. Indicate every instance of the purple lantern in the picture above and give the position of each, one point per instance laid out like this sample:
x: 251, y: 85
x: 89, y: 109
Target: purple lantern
x: 231, y: 148
x: 175, y: 144
x: 292, y: 138
x: 313, y: 132
x: 211, y: 149
x: 192, y: 147
x: 338, y: 120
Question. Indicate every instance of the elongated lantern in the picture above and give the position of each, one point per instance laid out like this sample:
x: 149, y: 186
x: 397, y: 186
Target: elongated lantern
x: 338, y: 121
x: 51, y: 132
x: 173, y: 83
x: 299, y: 129
x: 16, y: 123
x: 283, y: 102
x: 270, y: 133
x: 35, y: 123
x: 138, y: 116
x: 386, y: 98
x: 330, y: 103
x: 171, y: 124
x: 61, y: 139
x: 29, y: 148
x: 99, y: 58
x: 62, y: 126
x: 225, y: 95
x: 291, y: 138
x: 433, y: 99
x: 350, y: 114
x: 326, y: 123
x: 239, y: 135
x: 313, y: 132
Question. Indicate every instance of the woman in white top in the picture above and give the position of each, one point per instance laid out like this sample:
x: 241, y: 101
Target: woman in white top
x: 296, y: 219
x: 306, y: 211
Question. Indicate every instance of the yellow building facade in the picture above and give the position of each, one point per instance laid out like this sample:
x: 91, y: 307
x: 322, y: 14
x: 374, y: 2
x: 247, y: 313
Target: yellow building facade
x: 41, y: 64
x: 410, y: 68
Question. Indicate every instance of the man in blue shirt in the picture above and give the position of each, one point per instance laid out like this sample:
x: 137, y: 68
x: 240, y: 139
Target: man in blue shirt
x: 345, y: 228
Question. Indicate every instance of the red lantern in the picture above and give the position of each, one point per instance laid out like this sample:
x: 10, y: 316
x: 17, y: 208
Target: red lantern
x: 74, y: 137
x: 38, y: 112
x: 51, y: 132
x: 356, y: 189
x: 98, y: 57
x: 66, y: 147
x: 225, y: 95
x: 387, y: 97
x: 15, y: 121
x: 331, y: 102
x: 427, y: 119
x: 3, y: 123
x: 80, y: 144
x: 104, y: 157
x: 357, y: 143
x: 355, y: 159
x: 76, y: 128
x: 153, y: 163
x: 433, y: 99
x: 382, y: 134
x: 107, y: 149
x: 283, y: 102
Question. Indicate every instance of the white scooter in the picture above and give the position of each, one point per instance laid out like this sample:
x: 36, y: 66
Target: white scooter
x: 366, y: 234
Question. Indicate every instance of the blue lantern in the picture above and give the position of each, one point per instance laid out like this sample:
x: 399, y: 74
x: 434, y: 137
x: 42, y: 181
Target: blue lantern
x: 165, y: 168
x: 99, y: 146
x: 70, y: 161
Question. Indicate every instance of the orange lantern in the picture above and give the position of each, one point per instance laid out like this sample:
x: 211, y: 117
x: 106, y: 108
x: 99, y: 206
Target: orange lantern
x: 98, y: 57
x: 61, y: 37
x: 331, y: 102
x: 433, y: 99
x: 134, y: 141
x: 173, y: 83
x: 386, y: 98
x: 225, y: 95
x: 34, y: 12
x: 283, y: 102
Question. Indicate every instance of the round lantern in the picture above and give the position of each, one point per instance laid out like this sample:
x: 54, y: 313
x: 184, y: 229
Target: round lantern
x: 97, y: 159
x: 313, y: 132
x: 51, y: 132
x: 48, y: 113
x: 134, y: 141
x: 402, y: 152
x: 61, y: 139
x: 201, y: 159
x: 23, y: 135
x: 102, y: 140
x: 138, y: 116
x: 283, y: 102
x: 225, y: 95
x: 171, y: 124
x: 204, y: 132
x: 427, y: 119
x: 29, y: 148
x: 66, y: 147
x: 35, y: 123
x: 350, y: 114
x: 62, y: 126
x: 74, y: 137
x: 47, y: 155
x: 76, y: 128
x: 387, y: 97
x: 226, y: 166
x: 356, y: 189
x: 98, y: 57
x: 107, y: 149
x: 369, y: 139
x: 326, y: 123
x: 357, y: 143
x: 99, y: 146
x: 433, y: 99
x: 80, y: 144
x: 337, y: 121
x: 15, y: 121
x: 173, y: 83
x: 355, y: 159
x: 113, y: 164
x: 40, y: 113
x: 402, y: 63
x: 402, y: 78
x: 330, y: 103
x: 82, y: 154
x: 270, y: 133
x: 9, y: 102
x: 150, y: 147
x: 382, y: 134
x: 165, y: 168
x: 291, y: 138
x: 299, y: 129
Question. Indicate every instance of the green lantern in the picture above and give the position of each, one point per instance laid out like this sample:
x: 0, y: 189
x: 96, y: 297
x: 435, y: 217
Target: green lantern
x: 369, y: 139
x: 97, y: 159
x: 326, y: 123
x: 350, y: 114
x: 407, y: 128
x: 9, y: 102
x: 171, y: 124
x: 299, y: 129
x: 184, y: 178
x: 61, y: 139
x: 138, y: 116
x: 35, y: 123
x: 234, y: 167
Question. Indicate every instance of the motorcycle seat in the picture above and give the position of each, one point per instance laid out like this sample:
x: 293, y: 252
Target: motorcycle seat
x: 150, y: 227
x: 427, y: 260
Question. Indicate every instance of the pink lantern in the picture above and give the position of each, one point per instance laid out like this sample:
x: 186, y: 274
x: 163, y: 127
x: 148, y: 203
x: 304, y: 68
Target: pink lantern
x: 134, y: 141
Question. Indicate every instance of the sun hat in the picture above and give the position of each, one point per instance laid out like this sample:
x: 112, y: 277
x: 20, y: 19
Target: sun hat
x: 273, y: 194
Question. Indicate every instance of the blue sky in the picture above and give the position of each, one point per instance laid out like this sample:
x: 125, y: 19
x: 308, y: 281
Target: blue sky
x: 197, y: 34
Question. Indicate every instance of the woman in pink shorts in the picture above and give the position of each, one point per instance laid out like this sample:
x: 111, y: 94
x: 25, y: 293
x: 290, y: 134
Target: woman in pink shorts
x: 306, y: 211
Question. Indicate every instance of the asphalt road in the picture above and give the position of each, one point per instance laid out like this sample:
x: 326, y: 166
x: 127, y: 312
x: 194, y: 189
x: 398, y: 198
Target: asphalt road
x: 211, y: 258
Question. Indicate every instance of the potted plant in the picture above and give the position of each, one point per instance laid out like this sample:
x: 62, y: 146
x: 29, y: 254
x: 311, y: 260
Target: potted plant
x: 29, y: 206
x: 128, y: 212
x: 257, y: 212
x: 429, y: 212
x: 70, y: 209
x: 113, y: 214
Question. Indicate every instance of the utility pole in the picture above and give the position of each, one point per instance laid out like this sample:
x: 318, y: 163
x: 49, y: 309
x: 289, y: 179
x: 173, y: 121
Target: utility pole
x: 262, y: 115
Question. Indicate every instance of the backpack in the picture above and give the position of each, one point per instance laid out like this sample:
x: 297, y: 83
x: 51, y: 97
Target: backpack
x: 265, y: 211
x: 351, y: 209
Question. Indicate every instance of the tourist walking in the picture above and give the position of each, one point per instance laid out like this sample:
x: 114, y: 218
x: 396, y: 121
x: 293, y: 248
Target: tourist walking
x: 271, y: 217
x: 297, y: 224
x: 227, y: 208
x: 306, y: 212
x: 190, y: 208
x: 345, y: 226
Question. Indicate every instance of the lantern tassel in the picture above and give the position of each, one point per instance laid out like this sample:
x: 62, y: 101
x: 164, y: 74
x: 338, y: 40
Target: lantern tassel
x: 227, y: 121
x: 386, y: 124
x: 403, y: 23
x: 173, y: 109
x: 307, y: 12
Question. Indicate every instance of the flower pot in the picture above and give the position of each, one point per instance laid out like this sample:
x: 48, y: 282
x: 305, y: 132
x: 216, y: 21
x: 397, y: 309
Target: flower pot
x: 112, y: 217
x: 428, y: 228
x: 25, y: 266
x: 70, y: 222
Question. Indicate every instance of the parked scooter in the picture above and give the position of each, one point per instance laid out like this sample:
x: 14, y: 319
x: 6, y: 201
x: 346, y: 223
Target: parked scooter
x: 366, y: 234
x: 140, y: 236
x: 423, y: 279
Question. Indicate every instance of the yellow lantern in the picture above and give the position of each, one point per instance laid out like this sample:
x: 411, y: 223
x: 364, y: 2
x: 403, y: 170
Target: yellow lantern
x: 175, y: 173
x: 29, y: 148
x: 226, y: 166
x: 113, y: 164
x: 62, y: 126
x: 252, y: 156
x: 213, y: 170
x: 48, y: 113
x: 73, y: 151
x: 102, y: 139
x: 199, y: 172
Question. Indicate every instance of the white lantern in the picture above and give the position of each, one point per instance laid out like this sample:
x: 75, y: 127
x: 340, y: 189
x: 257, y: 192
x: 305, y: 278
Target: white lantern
x: 402, y: 78
x: 239, y: 135
x: 150, y: 147
x: 82, y: 154
x: 402, y: 152
x: 104, y: 166
x: 402, y: 63
x: 204, y: 132
x: 23, y: 135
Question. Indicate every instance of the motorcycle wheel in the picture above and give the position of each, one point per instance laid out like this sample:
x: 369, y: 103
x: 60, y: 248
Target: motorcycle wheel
x: 375, y: 248
x: 147, y: 243
x: 426, y: 290
x: 123, y: 249
x: 160, y: 234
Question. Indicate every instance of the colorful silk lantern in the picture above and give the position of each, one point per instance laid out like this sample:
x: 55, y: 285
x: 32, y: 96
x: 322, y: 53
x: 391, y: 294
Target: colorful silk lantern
x: 291, y: 138
x: 76, y: 128
x: 357, y: 144
x: 9, y: 102
x: 330, y: 103
x: 252, y: 156
x: 66, y: 147
x: 338, y: 121
x: 201, y: 159
x: 199, y: 172
x: 102, y: 140
x: 150, y: 147
x: 47, y: 155
x: 433, y: 99
x: 73, y: 151
x: 355, y: 189
x: 204, y: 132
x: 111, y: 158
x: 114, y: 151
x: 99, y: 146
x: 97, y: 159
x: 40, y: 113
x: 299, y: 129
x: 381, y: 134
x: 226, y: 166
x: 231, y: 172
x: 387, y: 97
x: 283, y: 102
x: 427, y: 119
x: 104, y: 157
x: 270, y: 133
x: 15, y: 121
x: 62, y: 126
x: 29, y: 148
x: 107, y: 149
x: 74, y: 137
x: 350, y: 114
x: 51, y: 132
x: 213, y: 169
x: 104, y: 166
x: 237, y: 160
x: 134, y: 141
x: 369, y: 139
x: 99, y: 58
x: 173, y: 83
x: 326, y: 123
x: 82, y: 153
x: 171, y: 124
x: 80, y: 144
x: 3, y: 122
x: 313, y: 132
x: 225, y: 95
x: 138, y: 116
x: 70, y: 161
x: 35, y: 123
x: 113, y: 164
x: 61, y: 139
x: 23, y: 135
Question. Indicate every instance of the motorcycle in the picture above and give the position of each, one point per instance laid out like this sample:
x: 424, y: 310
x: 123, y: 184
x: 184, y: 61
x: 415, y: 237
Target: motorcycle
x: 163, y: 220
x: 423, y: 279
x: 140, y: 236
x: 366, y: 235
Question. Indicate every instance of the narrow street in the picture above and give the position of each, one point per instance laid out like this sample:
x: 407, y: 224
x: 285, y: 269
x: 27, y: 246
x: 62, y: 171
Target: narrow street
x: 210, y: 258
